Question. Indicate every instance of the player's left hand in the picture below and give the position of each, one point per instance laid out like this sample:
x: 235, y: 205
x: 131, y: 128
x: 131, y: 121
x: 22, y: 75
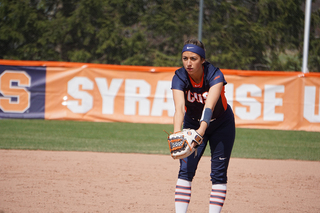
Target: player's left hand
x: 184, y: 143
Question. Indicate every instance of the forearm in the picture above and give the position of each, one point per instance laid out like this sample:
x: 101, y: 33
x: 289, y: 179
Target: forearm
x: 202, y: 129
x: 178, y: 121
x: 213, y: 96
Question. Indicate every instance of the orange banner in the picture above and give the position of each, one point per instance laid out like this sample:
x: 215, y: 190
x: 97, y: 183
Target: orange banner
x: 140, y: 94
x: 95, y: 94
x: 275, y: 102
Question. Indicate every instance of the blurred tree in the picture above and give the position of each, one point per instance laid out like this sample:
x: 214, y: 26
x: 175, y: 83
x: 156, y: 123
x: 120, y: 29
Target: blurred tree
x: 168, y: 24
x: 95, y: 31
x: 238, y: 34
x: 314, y: 46
x: 21, y: 26
x: 232, y: 37
x: 254, y: 34
x: 283, y: 24
x: 120, y: 36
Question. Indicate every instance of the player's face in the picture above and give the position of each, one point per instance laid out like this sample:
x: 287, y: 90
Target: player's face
x: 192, y: 62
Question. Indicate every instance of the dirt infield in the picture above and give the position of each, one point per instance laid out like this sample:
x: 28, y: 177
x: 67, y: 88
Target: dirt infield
x: 46, y: 181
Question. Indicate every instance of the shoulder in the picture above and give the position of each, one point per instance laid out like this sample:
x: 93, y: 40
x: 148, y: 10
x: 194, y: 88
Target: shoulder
x: 211, y: 70
x: 181, y: 73
x: 213, y: 74
x: 180, y: 79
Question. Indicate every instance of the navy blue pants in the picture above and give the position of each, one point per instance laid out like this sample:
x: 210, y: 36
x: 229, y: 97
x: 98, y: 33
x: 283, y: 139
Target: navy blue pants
x: 220, y: 135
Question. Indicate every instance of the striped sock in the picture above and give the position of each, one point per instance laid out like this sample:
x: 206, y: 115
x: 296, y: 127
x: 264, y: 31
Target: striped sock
x: 217, y: 197
x: 182, y: 195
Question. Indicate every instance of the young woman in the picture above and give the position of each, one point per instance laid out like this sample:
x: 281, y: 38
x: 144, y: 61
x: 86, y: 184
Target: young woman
x: 200, y: 104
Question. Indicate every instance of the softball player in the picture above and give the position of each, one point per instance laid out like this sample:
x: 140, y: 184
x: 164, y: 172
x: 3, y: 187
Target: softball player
x: 200, y: 104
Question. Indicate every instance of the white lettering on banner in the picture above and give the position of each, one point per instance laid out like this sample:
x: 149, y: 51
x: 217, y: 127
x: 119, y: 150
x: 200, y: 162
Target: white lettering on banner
x: 270, y: 102
x: 163, y: 92
x: 229, y: 94
x: 86, y: 99
x: 255, y: 107
x: 108, y: 95
x: 137, y: 92
x: 310, y: 104
x: 137, y: 98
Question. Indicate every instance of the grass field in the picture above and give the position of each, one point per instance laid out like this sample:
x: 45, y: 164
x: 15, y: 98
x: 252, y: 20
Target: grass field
x: 147, y: 138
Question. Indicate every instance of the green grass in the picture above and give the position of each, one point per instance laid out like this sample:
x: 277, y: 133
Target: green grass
x: 277, y: 144
x: 147, y: 138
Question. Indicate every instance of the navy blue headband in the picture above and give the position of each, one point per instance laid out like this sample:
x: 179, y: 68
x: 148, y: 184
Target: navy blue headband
x: 195, y: 49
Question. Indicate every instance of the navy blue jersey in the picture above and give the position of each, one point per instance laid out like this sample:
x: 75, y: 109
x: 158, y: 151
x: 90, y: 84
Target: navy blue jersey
x: 196, y: 94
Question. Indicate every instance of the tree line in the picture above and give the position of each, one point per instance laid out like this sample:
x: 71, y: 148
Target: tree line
x: 237, y: 34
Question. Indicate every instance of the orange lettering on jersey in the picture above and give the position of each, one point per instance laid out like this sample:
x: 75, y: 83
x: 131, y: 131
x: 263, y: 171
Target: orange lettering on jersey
x: 216, y: 77
x: 16, y: 98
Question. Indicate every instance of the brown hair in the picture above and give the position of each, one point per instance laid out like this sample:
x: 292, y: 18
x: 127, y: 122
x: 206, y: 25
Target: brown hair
x: 195, y: 42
